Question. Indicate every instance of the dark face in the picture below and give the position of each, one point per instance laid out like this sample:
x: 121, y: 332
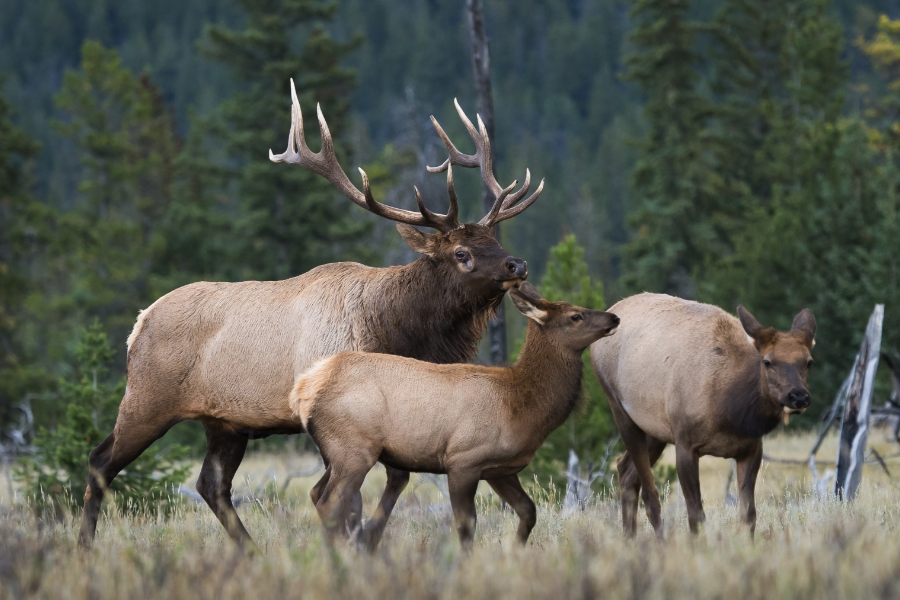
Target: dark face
x: 785, y: 359
x: 571, y: 326
x: 786, y: 362
x: 473, y: 255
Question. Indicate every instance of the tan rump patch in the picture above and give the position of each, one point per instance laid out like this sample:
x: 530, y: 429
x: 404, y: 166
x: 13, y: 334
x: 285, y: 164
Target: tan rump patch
x: 138, y: 325
x: 307, y: 388
x: 87, y: 493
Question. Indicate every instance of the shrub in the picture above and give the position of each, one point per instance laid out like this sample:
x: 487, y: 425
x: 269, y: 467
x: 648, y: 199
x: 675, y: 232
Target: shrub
x: 55, y: 477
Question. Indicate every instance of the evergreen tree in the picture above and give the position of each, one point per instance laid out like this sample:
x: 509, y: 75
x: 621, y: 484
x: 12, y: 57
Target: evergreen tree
x: 25, y: 238
x: 679, y: 196
x: 128, y: 146
x: 797, y: 237
x: 590, y: 430
x: 291, y: 219
x: 56, y: 476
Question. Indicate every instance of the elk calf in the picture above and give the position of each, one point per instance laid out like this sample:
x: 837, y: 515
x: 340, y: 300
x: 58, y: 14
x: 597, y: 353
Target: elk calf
x: 692, y: 375
x: 468, y: 421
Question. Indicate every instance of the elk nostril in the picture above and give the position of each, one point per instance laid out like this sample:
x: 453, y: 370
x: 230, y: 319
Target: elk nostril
x: 799, y: 398
x: 516, y: 266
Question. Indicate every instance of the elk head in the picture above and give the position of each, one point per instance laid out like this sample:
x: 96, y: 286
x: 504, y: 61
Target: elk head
x: 785, y: 359
x: 468, y: 250
x: 569, y: 326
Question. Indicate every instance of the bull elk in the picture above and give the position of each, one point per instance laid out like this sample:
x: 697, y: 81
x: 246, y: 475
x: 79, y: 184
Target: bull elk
x: 468, y: 421
x: 692, y: 375
x: 228, y: 354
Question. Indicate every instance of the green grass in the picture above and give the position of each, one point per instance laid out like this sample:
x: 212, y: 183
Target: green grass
x: 805, y: 547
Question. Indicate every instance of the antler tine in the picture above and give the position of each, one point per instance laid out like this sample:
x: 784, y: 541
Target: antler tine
x: 325, y: 163
x: 445, y: 223
x: 453, y: 211
x: 489, y: 219
x: 483, y: 158
x: 514, y: 210
x: 456, y: 157
x: 513, y: 199
x: 396, y: 214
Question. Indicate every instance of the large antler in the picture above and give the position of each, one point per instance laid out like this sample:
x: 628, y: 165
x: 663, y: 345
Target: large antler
x: 325, y: 164
x: 504, y: 203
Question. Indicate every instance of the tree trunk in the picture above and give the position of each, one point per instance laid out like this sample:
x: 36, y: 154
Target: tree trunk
x: 481, y: 67
x: 855, y: 425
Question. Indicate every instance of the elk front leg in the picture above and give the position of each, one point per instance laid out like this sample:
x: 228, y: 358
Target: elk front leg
x: 462, y: 500
x: 747, y: 470
x: 510, y: 490
x: 374, y: 529
x: 687, y: 463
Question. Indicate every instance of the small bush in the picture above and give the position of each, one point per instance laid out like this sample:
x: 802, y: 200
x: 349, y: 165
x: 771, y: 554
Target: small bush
x: 55, y: 477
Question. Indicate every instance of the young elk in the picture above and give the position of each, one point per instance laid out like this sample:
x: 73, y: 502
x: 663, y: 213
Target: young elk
x: 228, y: 354
x: 690, y: 374
x: 468, y: 421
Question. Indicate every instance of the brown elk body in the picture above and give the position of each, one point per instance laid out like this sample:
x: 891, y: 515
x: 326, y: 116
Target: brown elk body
x: 228, y: 354
x: 468, y: 421
x: 690, y: 374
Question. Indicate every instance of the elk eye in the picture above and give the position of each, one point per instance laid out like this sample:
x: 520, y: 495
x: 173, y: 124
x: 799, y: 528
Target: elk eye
x: 576, y: 317
x: 809, y: 364
x: 462, y: 255
x: 767, y: 362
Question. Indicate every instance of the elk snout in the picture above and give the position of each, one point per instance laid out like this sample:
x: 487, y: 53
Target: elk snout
x: 614, y: 324
x: 517, y: 267
x: 798, y: 398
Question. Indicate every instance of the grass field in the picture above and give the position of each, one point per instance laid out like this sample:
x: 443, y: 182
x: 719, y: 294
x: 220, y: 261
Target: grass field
x: 805, y: 547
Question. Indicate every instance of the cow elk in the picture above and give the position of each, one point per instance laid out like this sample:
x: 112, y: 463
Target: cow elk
x: 228, y: 354
x: 471, y: 422
x: 690, y: 374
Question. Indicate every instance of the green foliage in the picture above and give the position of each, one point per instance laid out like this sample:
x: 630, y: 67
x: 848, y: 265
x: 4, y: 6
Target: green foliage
x: 679, y: 194
x: 291, y: 219
x: 25, y: 234
x: 590, y: 429
x: 55, y: 477
x: 128, y: 146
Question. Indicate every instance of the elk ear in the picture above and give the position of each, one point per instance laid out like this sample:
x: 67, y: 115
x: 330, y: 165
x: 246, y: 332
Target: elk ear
x: 749, y: 322
x: 529, y: 302
x: 416, y: 240
x: 805, y: 323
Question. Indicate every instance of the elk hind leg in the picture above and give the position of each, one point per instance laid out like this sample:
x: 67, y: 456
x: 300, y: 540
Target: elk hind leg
x: 630, y: 483
x: 637, y: 443
x: 630, y: 487
x: 348, y: 471
x: 131, y: 436
x: 510, y: 490
x: 224, y: 452
x: 374, y: 529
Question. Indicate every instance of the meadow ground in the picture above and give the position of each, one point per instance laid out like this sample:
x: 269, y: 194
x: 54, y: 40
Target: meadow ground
x: 805, y: 547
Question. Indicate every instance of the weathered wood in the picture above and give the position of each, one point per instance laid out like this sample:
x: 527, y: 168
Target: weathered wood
x: 481, y: 68
x: 855, y: 424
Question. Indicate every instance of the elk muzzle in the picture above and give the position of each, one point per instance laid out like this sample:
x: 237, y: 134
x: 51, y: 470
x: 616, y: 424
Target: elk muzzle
x: 613, y: 325
x: 517, y: 267
x: 797, y: 399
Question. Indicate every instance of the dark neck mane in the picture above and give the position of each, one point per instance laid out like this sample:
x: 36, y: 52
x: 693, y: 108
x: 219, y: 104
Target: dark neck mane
x: 745, y: 409
x: 549, y: 380
x: 421, y: 311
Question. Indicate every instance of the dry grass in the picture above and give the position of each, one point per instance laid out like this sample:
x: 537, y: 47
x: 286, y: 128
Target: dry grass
x: 805, y: 548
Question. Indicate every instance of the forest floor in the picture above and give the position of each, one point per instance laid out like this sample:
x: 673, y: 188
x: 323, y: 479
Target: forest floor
x: 805, y: 547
